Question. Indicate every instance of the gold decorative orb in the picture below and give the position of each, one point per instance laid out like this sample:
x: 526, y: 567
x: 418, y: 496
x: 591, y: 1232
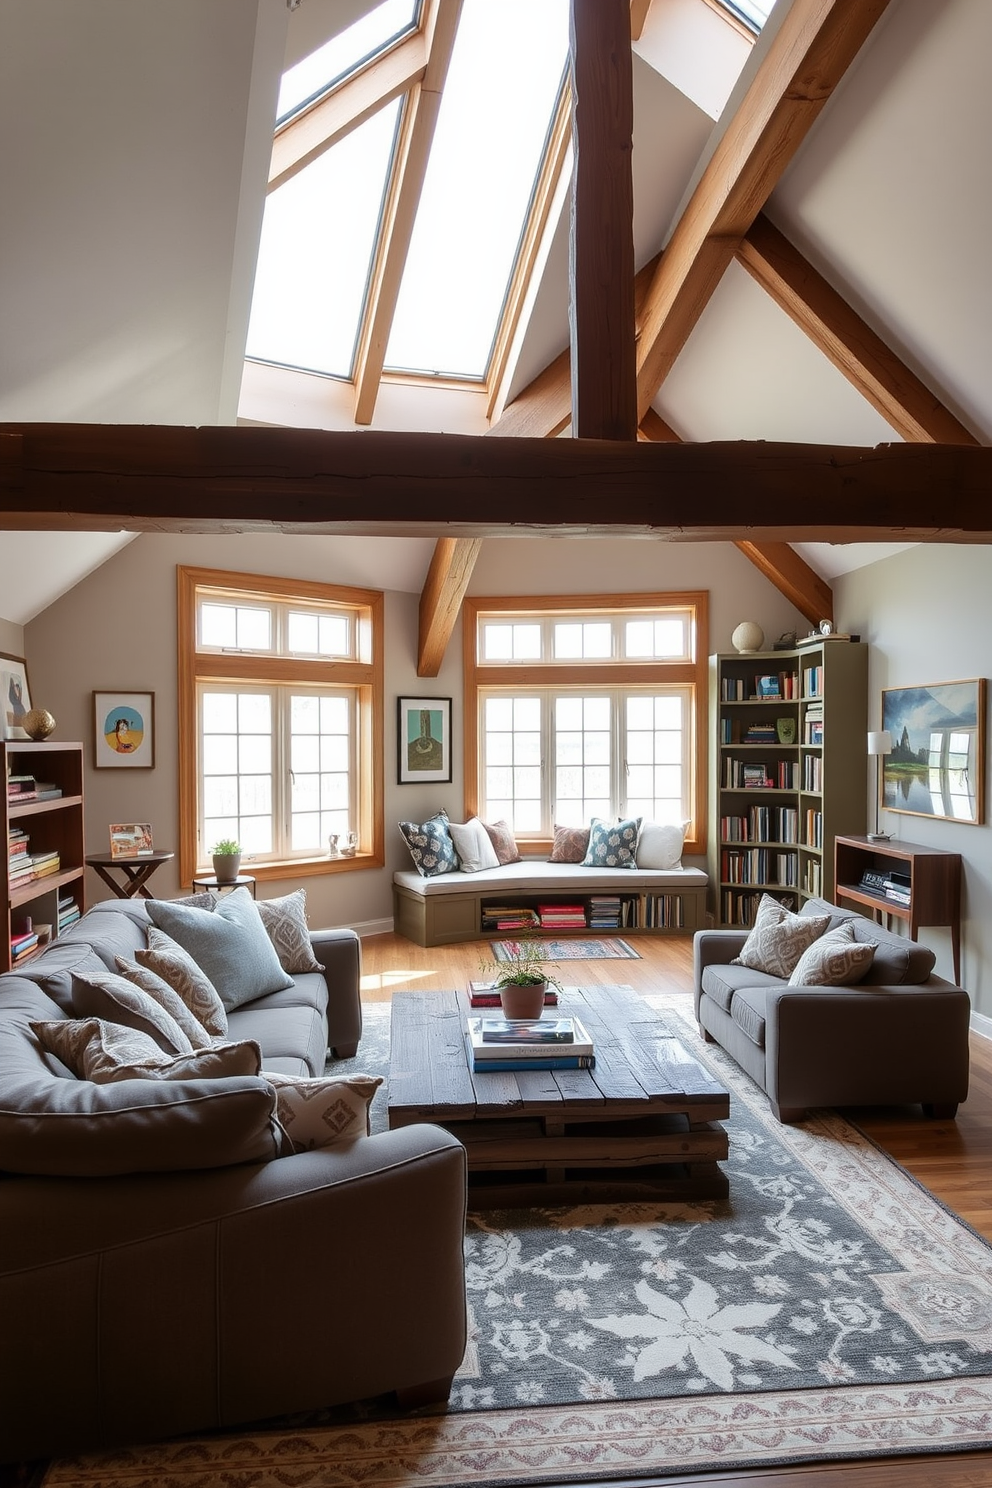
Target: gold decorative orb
x: 748, y: 636
x: 38, y: 723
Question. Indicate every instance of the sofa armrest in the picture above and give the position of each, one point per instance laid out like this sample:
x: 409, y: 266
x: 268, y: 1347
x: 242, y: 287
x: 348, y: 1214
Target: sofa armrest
x: 713, y: 948
x: 340, y: 954
x: 323, y: 1277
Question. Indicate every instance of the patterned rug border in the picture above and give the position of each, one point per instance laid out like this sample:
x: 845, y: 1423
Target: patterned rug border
x: 603, y: 948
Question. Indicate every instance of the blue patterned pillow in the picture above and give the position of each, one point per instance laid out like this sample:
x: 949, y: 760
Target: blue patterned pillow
x: 430, y: 844
x: 612, y: 844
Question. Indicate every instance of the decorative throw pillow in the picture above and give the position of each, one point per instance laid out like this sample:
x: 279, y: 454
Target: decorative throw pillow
x: 778, y: 938
x: 159, y: 990
x: 836, y: 959
x: 475, y: 850
x: 612, y: 844
x: 503, y: 841
x: 659, y: 845
x: 570, y: 845
x: 430, y: 844
x: 169, y: 961
x: 230, y: 944
x: 316, y: 1113
x: 112, y: 997
x: 107, y: 1052
x: 285, y: 922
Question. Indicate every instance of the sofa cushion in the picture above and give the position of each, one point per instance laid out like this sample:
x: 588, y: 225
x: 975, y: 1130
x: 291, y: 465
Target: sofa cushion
x: 504, y: 843
x: 105, y: 1053
x: 317, y: 1113
x: 835, y: 959
x: 115, y: 999
x: 298, y: 1033
x: 175, y: 966
x: 53, y: 970
x: 778, y: 938
x: 159, y: 990
x: 721, y: 983
x: 748, y: 1012
x: 612, y: 844
x: 430, y: 844
x: 229, y: 944
x: 659, y: 844
x: 570, y: 845
x: 473, y: 846
x: 285, y: 922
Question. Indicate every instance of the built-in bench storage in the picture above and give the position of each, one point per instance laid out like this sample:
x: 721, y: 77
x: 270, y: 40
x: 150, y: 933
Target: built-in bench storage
x: 453, y: 906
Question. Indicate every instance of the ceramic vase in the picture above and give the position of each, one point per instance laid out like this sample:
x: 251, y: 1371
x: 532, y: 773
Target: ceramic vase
x: 523, y: 1001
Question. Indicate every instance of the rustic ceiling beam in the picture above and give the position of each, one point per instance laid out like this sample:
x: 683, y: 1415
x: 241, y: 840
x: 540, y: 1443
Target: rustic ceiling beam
x: 601, y: 239
x: 309, y: 134
x: 440, y: 601
x: 140, y: 478
x: 780, y: 564
x: 413, y: 148
x: 638, y: 16
x: 814, y: 46
x: 879, y: 375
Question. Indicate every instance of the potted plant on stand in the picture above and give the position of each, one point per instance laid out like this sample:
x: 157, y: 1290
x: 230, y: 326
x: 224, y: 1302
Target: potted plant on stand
x: 523, y: 979
x: 226, y: 855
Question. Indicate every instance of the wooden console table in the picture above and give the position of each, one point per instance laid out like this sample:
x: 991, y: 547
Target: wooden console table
x: 934, y: 884
x: 135, y: 872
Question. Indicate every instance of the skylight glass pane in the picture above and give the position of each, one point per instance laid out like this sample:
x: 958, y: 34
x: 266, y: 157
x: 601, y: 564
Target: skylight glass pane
x: 754, y: 13
x: 500, y: 93
x: 345, y: 52
x: 313, y: 262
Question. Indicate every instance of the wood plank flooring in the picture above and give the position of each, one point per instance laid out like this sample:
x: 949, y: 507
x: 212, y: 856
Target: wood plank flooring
x: 953, y: 1159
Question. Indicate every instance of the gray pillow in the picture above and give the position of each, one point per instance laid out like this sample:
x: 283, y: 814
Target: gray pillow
x: 230, y: 944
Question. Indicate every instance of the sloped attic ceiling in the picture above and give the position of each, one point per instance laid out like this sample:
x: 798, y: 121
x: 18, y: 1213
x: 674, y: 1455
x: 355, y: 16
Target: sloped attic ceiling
x: 135, y: 204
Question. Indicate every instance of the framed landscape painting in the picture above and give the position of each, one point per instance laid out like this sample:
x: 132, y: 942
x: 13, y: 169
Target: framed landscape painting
x: 423, y: 736
x: 937, y: 764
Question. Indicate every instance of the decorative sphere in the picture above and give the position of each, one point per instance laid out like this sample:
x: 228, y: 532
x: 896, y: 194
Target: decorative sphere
x: 748, y: 636
x: 38, y: 723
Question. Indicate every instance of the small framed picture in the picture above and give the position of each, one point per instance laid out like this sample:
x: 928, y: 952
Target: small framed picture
x: 131, y: 840
x: 124, y: 730
x: 15, y: 697
x: 423, y: 737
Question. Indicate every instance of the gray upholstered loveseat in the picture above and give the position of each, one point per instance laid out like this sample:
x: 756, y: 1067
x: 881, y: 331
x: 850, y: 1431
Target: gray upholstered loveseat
x: 898, y: 1037
x: 157, y: 1240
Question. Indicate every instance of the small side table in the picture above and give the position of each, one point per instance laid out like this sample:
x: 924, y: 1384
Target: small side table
x: 135, y: 872
x: 208, y: 881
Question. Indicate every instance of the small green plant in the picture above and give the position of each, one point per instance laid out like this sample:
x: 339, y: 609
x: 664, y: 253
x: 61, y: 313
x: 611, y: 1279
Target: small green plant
x: 525, y: 968
x: 225, y: 848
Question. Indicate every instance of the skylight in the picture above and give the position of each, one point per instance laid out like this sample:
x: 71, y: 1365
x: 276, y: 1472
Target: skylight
x: 344, y: 54
x: 754, y: 13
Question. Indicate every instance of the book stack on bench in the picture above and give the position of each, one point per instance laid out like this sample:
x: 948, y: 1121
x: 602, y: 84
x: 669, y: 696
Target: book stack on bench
x: 562, y: 916
x: 550, y: 1043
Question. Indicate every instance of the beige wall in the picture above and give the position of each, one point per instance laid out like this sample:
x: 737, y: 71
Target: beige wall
x: 12, y: 640
x: 117, y: 629
x: 927, y: 614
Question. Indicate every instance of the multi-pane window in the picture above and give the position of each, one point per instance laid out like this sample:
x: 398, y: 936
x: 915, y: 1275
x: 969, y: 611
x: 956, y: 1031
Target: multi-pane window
x: 281, y: 701
x: 585, y: 712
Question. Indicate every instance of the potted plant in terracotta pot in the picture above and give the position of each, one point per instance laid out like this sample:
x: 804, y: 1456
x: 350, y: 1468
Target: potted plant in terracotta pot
x: 523, y: 980
x: 227, y: 860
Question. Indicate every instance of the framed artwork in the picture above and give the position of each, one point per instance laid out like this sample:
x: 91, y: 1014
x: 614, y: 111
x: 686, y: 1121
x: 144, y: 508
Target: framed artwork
x: 937, y: 764
x: 124, y: 730
x: 131, y: 840
x: 423, y: 736
x: 15, y: 697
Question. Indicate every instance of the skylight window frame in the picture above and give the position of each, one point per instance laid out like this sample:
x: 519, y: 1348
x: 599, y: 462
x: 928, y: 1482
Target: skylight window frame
x: 362, y: 65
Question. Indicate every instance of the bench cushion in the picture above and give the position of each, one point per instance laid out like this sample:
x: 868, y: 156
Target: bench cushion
x: 538, y: 874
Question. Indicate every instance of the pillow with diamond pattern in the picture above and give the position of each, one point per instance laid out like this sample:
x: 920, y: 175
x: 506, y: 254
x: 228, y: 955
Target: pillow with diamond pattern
x: 570, y: 845
x: 285, y: 922
x: 430, y: 844
x: 504, y: 843
x: 105, y: 1053
x: 316, y: 1113
x: 778, y: 938
x: 159, y: 990
x: 835, y: 959
x: 112, y: 997
x: 169, y: 961
x: 612, y: 844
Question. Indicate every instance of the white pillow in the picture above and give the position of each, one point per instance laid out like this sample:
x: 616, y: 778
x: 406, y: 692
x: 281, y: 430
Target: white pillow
x: 660, y: 844
x: 473, y: 845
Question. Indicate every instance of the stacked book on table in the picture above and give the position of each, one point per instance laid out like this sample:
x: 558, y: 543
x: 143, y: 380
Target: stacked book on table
x: 486, y: 995
x: 550, y: 1043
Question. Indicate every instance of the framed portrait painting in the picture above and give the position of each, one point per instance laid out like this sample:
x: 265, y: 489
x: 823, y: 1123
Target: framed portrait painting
x: 124, y: 730
x: 423, y: 737
x: 937, y: 764
x: 15, y: 697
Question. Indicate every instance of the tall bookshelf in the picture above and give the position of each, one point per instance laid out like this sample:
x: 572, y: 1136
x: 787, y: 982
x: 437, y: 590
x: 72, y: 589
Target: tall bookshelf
x: 788, y: 772
x: 51, y: 826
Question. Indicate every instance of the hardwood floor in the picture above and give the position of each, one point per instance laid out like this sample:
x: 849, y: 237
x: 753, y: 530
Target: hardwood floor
x: 953, y: 1159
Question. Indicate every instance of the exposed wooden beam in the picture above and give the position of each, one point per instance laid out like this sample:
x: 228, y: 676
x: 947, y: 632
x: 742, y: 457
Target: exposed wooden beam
x: 444, y: 589
x: 815, y: 44
x: 140, y: 478
x: 902, y: 399
x: 780, y: 564
x: 439, y: 26
x: 308, y: 135
x: 601, y: 241
x: 638, y: 16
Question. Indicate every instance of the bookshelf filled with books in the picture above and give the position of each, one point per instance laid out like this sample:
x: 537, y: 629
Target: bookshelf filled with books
x: 788, y: 772
x: 43, y: 866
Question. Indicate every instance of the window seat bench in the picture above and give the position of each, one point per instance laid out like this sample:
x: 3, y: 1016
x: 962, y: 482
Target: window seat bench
x: 449, y: 907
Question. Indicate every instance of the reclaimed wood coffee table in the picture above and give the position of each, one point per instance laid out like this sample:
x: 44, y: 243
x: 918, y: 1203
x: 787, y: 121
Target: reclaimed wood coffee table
x: 643, y: 1124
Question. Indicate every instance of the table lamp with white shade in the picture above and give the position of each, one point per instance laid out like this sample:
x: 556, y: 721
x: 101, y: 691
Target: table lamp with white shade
x: 879, y: 743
